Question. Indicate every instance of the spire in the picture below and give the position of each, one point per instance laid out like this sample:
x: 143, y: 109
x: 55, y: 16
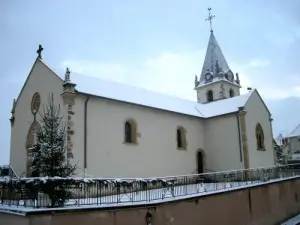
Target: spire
x: 214, y: 61
x: 215, y: 71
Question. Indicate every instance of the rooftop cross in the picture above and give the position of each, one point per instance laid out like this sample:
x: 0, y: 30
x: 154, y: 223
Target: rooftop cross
x: 39, y: 51
x: 210, y: 18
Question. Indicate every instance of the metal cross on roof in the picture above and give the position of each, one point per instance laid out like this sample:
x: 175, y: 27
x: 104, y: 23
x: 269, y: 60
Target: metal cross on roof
x: 210, y: 18
x: 39, y: 51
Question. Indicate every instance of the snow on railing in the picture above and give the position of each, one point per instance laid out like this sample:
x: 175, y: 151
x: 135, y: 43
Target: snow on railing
x: 42, y: 191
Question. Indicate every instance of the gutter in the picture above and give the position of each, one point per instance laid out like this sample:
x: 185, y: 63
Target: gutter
x: 239, y: 135
x: 85, y: 135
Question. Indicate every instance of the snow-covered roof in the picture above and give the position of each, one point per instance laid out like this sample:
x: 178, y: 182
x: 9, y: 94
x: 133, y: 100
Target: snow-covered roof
x: 130, y: 94
x: 295, y: 132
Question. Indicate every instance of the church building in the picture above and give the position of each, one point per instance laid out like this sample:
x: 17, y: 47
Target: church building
x: 116, y: 130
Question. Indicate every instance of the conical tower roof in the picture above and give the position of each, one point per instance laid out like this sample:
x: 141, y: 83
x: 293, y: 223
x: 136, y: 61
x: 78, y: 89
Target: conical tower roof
x: 213, y: 57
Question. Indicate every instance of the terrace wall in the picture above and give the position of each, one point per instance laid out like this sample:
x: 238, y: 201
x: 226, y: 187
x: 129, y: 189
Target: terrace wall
x: 266, y: 204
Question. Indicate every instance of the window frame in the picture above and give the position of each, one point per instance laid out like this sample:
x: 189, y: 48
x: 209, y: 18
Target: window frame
x: 260, y: 139
x: 231, y: 93
x: 209, y: 96
x: 132, y: 126
x: 181, y: 138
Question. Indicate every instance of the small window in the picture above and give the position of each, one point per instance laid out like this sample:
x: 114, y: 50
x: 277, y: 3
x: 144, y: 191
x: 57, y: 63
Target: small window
x: 130, y: 132
x: 259, y: 137
x: 210, y: 96
x: 231, y: 93
x: 181, y: 138
x: 35, y: 103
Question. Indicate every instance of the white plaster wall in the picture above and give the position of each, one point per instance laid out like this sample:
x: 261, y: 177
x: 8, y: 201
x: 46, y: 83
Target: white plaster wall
x: 258, y: 113
x: 294, y: 144
x: 215, y: 87
x: 156, y: 153
x: 222, y: 143
x: 41, y: 80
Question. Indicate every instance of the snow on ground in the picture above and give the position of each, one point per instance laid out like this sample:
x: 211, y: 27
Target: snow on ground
x: 153, y: 196
x: 293, y: 221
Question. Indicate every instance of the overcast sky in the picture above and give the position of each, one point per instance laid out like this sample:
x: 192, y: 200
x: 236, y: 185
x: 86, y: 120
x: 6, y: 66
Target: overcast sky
x: 157, y: 44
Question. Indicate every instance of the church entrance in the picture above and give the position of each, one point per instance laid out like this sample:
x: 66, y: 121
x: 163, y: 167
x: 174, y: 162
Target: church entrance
x: 200, y: 162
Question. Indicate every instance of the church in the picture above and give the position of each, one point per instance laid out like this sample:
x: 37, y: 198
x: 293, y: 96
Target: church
x: 119, y: 131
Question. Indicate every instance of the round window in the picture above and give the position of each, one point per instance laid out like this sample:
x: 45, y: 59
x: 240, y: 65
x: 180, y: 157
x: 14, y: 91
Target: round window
x: 35, y: 103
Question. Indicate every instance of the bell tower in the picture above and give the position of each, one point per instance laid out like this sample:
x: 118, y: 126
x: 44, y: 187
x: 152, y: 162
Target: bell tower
x: 216, y: 81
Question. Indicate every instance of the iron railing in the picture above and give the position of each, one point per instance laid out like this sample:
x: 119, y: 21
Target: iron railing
x: 7, y: 171
x: 34, y: 192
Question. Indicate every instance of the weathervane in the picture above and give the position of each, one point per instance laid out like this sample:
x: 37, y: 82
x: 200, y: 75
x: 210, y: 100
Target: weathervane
x: 210, y: 18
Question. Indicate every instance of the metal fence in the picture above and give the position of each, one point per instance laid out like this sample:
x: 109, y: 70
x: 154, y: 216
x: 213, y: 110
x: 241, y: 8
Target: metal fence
x: 79, y: 192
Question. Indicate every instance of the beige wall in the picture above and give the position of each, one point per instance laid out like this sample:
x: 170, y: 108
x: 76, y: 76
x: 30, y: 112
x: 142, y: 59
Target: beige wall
x: 262, y: 205
x: 155, y: 154
x: 258, y: 113
x: 216, y: 88
x: 41, y: 80
x: 222, y: 143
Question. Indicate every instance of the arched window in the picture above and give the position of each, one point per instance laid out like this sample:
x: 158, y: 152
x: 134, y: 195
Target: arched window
x: 231, y: 93
x: 130, y: 132
x: 260, y: 139
x: 210, y: 96
x: 181, y: 138
x: 31, y: 140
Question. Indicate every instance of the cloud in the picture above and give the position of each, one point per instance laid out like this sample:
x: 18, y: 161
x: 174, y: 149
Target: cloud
x: 173, y: 73
x: 259, y: 63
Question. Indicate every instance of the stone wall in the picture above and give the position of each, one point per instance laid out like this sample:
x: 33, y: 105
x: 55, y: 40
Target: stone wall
x: 267, y: 204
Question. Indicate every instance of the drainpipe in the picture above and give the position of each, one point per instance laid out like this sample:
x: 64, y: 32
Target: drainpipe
x: 239, y: 135
x: 85, y: 136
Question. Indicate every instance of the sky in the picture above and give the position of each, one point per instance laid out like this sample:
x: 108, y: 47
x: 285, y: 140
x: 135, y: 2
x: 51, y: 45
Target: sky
x: 158, y: 45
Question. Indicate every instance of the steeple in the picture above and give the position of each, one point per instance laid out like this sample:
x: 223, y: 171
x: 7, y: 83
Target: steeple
x: 214, y: 61
x: 216, y: 80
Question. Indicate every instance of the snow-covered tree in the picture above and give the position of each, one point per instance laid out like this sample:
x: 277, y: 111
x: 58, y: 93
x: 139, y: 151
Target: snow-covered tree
x: 48, y: 156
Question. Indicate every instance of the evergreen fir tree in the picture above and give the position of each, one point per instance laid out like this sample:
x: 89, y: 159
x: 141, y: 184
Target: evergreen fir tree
x: 48, y: 156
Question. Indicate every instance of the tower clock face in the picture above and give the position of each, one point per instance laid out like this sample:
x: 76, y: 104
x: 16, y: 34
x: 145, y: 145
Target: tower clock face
x: 230, y: 76
x: 208, y: 77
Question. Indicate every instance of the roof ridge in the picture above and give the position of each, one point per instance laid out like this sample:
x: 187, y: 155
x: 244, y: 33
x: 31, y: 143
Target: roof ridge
x: 82, y: 75
x: 124, y: 92
x: 290, y: 135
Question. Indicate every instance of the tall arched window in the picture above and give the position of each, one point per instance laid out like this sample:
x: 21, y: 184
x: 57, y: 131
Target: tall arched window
x: 260, y: 139
x: 181, y: 138
x: 210, y: 96
x: 31, y: 140
x: 130, y: 132
x: 231, y: 93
